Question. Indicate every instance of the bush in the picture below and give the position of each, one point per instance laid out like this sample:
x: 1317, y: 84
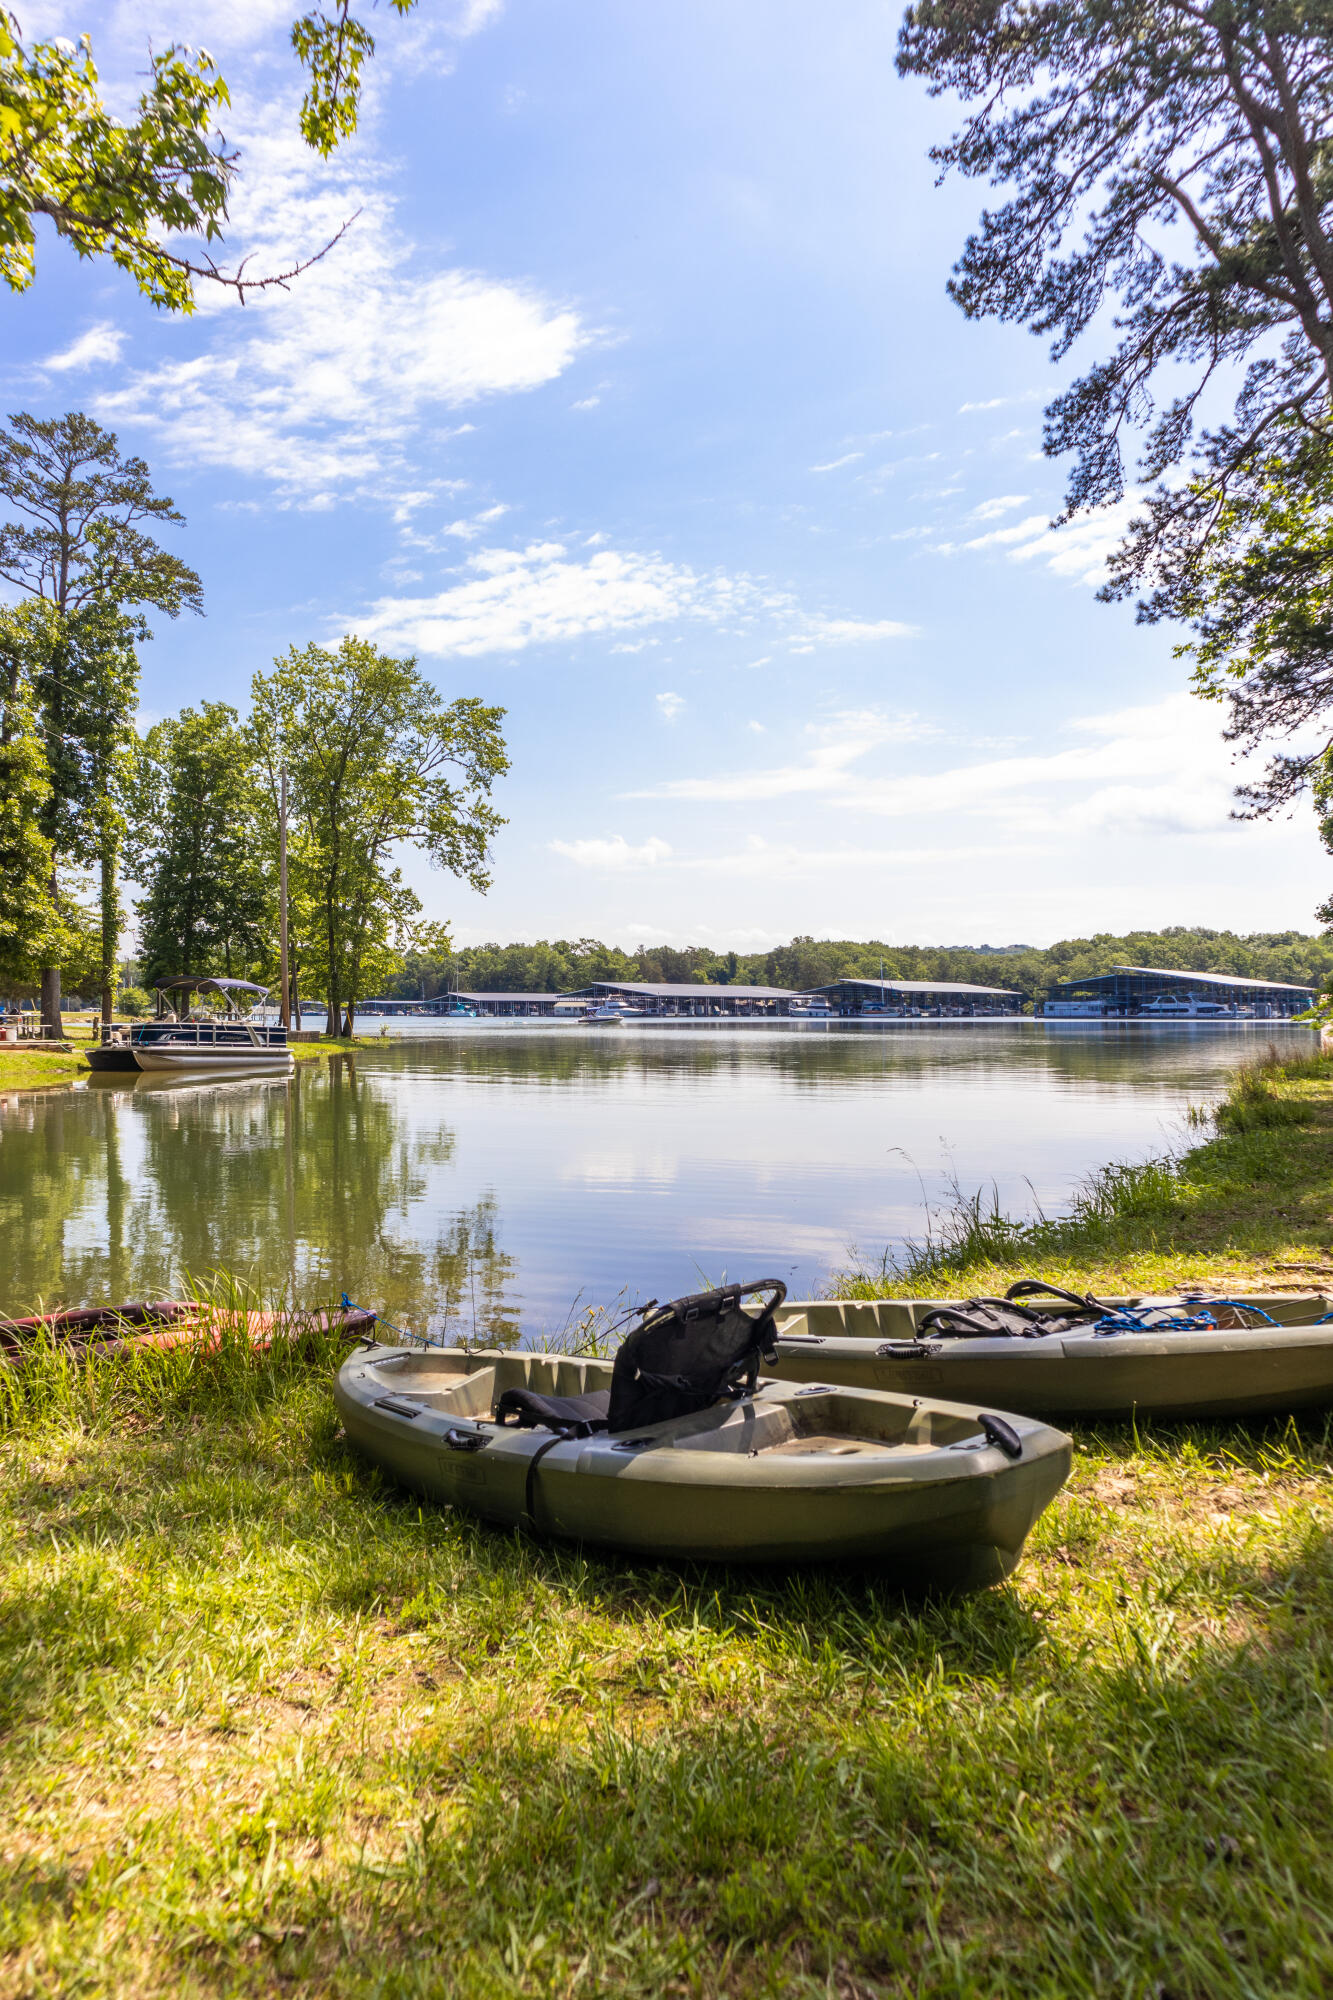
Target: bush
x: 132, y: 1000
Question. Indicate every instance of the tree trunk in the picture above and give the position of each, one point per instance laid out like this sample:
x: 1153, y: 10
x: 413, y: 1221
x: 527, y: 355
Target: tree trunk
x: 51, y: 1015
x: 110, y: 925
x: 349, y: 1028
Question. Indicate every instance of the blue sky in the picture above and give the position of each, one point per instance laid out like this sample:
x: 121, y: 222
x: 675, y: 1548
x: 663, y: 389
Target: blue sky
x: 633, y: 401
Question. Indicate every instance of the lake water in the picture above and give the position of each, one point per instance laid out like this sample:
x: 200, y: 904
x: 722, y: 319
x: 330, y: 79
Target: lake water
x: 485, y: 1177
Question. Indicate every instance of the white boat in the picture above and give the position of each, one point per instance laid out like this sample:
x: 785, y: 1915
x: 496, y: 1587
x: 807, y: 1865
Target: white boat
x: 185, y: 1037
x: 612, y: 1013
x: 811, y: 1010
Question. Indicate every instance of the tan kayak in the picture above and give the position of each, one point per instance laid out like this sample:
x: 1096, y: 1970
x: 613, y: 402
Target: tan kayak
x: 934, y: 1494
x: 1171, y: 1356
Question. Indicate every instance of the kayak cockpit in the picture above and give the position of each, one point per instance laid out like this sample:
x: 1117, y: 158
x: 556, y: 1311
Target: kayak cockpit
x: 791, y: 1420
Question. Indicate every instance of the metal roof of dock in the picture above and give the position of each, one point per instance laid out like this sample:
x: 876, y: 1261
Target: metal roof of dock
x: 1208, y: 978
x: 918, y: 986
x: 688, y: 988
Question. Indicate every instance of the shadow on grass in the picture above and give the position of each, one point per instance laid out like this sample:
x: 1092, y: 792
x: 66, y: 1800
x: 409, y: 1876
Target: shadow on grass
x: 722, y: 1781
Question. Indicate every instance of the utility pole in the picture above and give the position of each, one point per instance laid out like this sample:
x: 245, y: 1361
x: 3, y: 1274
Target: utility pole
x: 282, y: 903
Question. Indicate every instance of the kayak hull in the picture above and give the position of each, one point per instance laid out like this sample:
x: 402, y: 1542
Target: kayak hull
x: 1232, y: 1372
x: 167, y: 1323
x: 792, y: 1476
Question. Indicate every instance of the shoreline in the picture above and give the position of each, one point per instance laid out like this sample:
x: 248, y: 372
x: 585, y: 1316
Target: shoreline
x: 1251, y: 1205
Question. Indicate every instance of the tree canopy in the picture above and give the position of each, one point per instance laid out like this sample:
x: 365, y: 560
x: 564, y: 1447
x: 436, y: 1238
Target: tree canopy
x: 376, y: 761
x: 1173, y: 161
x: 564, y: 964
x: 195, y: 844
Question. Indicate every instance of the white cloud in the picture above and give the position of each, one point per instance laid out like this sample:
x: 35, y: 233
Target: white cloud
x: 848, y: 458
x: 835, y: 746
x: 1000, y: 402
x: 615, y: 854
x: 670, y: 705
x: 1161, y: 768
x: 100, y: 344
x: 521, y: 597
x: 1003, y: 503
x: 1078, y: 550
x: 330, y: 387
x: 468, y: 530
x: 757, y: 727
x: 586, y: 403
x: 848, y: 631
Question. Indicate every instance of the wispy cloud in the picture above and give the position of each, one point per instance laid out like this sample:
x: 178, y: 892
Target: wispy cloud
x: 468, y: 530
x: 1077, y: 550
x: 100, y: 345
x: 669, y: 706
x: 833, y: 747
x: 1000, y: 402
x: 1159, y: 768
x: 1003, y: 503
x: 848, y: 458
x: 330, y: 388
x: 852, y: 631
x: 515, y: 598
x: 615, y: 855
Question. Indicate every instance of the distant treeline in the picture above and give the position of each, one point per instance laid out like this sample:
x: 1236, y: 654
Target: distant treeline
x: 561, y: 965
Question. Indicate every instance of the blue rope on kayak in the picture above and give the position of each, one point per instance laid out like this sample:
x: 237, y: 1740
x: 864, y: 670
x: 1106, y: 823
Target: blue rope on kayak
x: 1128, y: 1322
x: 1202, y: 1320
x: 350, y: 1305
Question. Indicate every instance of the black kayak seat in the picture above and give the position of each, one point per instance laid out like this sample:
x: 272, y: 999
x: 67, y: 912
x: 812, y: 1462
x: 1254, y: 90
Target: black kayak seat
x: 682, y: 1357
x: 577, y: 1416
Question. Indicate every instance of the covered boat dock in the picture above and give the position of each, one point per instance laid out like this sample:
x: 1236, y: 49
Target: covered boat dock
x: 903, y: 999
x: 683, y: 1001
x: 1155, y: 992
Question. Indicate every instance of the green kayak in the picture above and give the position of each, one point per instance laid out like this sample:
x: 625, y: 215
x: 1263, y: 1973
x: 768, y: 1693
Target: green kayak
x: 933, y: 1494
x: 1060, y: 1354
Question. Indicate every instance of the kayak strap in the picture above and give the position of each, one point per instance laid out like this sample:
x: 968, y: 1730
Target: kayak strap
x: 530, y: 1483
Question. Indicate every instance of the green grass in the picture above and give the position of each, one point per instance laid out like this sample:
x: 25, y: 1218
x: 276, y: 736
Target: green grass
x: 33, y: 1069
x: 1251, y: 1205
x: 269, y: 1726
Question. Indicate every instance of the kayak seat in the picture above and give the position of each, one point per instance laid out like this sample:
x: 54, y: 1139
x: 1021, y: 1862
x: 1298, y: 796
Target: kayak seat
x: 575, y: 1416
x: 691, y: 1353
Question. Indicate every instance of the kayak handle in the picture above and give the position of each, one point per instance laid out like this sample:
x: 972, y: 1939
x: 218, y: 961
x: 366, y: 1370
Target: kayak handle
x: 465, y: 1440
x: 998, y: 1432
x: 906, y: 1350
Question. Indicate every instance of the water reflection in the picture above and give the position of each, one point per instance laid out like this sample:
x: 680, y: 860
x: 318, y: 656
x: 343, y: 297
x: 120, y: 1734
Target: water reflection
x: 478, y: 1181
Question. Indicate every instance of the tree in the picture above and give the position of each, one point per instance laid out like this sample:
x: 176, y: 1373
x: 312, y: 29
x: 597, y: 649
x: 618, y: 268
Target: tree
x: 114, y: 189
x: 1261, y: 607
x: 375, y: 761
x: 30, y: 927
x: 195, y: 845
x: 1187, y: 150
x: 78, y: 547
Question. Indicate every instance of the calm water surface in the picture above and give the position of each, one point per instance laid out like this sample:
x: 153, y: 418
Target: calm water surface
x: 486, y: 1177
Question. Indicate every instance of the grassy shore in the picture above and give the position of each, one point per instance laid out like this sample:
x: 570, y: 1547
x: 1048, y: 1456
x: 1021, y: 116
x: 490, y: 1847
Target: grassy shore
x: 270, y: 1726
x: 36, y: 1068
x: 1251, y: 1205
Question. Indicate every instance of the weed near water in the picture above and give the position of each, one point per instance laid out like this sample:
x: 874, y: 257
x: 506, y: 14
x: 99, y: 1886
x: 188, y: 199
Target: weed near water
x: 1252, y: 1204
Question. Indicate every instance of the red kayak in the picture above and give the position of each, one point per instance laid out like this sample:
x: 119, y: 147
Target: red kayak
x: 168, y: 1323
